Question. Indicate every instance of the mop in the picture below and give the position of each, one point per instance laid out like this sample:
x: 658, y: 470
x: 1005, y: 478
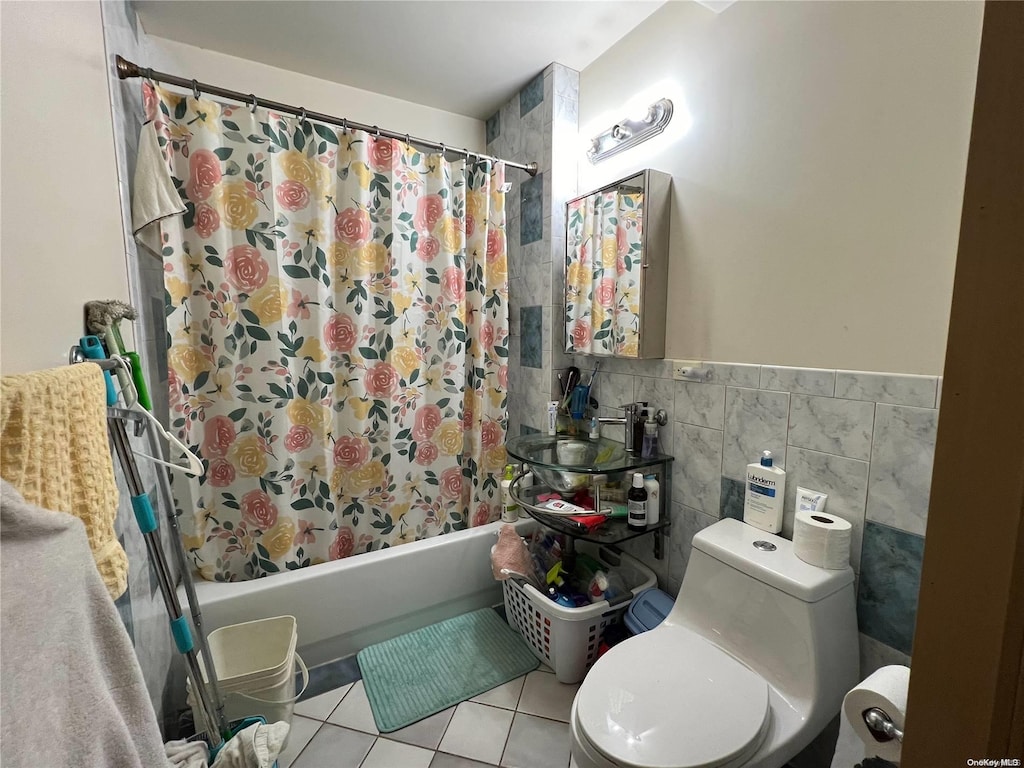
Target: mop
x: 218, y: 733
x: 103, y: 318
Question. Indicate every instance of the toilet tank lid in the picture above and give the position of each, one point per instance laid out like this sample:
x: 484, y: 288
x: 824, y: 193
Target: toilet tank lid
x: 733, y: 543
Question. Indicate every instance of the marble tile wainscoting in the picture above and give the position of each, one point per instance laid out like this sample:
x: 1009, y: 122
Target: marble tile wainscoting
x: 866, y: 439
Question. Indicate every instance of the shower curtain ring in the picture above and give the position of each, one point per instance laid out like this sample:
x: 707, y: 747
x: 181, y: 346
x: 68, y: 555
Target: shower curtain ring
x: 344, y: 126
x: 407, y: 141
x: 195, y: 89
x: 376, y: 132
x: 302, y: 116
x: 443, y: 150
x: 254, y: 103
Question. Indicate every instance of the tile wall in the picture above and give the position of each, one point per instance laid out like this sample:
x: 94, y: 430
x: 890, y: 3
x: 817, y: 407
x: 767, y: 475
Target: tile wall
x: 866, y: 439
x: 538, y: 124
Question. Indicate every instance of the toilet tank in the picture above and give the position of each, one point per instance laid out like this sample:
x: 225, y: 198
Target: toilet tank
x: 791, y: 622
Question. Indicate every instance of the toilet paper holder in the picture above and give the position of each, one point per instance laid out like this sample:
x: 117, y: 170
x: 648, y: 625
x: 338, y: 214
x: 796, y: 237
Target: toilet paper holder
x: 881, y: 725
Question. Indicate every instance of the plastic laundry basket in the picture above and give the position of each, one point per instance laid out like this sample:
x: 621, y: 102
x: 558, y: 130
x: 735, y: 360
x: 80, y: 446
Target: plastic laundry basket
x: 567, y: 639
x: 255, y: 664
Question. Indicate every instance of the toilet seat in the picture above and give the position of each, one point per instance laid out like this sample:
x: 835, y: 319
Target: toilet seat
x: 670, y: 699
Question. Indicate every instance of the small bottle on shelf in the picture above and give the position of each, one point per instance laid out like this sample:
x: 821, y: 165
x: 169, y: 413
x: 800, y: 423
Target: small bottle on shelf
x: 636, y: 502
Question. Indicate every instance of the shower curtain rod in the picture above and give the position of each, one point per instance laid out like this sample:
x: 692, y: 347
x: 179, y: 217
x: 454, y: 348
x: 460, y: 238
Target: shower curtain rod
x: 127, y: 69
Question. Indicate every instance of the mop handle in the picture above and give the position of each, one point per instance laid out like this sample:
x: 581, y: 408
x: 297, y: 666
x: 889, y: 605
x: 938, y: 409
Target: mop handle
x: 146, y: 519
x: 185, y: 569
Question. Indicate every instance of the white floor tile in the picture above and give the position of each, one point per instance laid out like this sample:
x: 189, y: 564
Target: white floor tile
x: 426, y: 732
x: 444, y: 760
x: 391, y: 754
x: 320, y: 707
x: 505, y: 696
x: 543, y: 695
x: 334, y: 747
x: 354, y: 711
x: 299, y: 736
x: 477, y: 732
x: 535, y: 742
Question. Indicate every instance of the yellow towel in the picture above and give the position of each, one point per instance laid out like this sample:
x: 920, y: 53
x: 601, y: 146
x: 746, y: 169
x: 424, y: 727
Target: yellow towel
x: 54, y: 450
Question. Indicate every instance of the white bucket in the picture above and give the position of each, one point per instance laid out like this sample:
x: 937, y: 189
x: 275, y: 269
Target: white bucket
x: 255, y: 664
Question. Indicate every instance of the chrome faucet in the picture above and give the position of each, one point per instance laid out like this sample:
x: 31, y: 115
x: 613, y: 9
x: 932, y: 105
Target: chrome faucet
x: 629, y: 420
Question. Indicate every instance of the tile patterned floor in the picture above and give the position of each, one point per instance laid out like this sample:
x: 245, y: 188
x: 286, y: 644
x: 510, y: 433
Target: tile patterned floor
x: 521, y: 724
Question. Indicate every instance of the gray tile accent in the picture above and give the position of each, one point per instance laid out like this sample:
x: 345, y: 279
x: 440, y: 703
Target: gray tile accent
x: 755, y: 420
x: 892, y: 388
x: 844, y: 480
x: 532, y: 336
x: 493, y: 127
x: 733, y: 494
x: 702, y: 405
x: 842, y: 427
x: 803, y: 381
x: 531, y: 215
x: 531, y: 95
x: 332, y: 675
x: 901, y: 466
x: 889, y: 581
x: 697, y: 470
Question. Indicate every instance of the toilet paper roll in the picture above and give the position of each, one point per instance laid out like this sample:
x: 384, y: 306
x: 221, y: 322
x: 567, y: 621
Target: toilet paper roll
x: 822, y: 539
x: 886, y: 689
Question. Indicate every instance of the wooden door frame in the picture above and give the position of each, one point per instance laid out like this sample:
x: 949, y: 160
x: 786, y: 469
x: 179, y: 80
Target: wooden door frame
x: 966, y: 697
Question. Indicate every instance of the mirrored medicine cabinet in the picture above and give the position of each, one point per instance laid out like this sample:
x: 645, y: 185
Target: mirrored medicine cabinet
x: 616, y: 268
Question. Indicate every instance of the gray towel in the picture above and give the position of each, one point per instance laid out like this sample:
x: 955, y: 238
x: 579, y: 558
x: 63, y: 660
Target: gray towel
x: 71, y: 690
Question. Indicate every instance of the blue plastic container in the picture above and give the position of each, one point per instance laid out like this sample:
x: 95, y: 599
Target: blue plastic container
x: 648, y: 610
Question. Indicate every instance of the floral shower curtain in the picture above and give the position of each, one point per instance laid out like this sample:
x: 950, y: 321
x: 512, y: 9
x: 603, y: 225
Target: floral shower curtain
x: 604, y: 246
x: 337, y: 330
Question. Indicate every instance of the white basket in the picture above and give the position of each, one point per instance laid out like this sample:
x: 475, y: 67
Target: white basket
x: 567, y: 639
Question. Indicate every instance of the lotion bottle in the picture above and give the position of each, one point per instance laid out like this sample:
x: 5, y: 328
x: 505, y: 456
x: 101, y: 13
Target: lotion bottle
x: 765, y: 492
x: 653, y: 488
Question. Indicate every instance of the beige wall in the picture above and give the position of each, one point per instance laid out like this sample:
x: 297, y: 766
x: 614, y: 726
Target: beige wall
x: 321, y: 95
x: 817, y: 191
x: 61, y: 241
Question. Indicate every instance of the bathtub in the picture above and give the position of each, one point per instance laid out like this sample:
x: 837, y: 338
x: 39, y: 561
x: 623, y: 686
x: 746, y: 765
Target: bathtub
x: 343, y: 606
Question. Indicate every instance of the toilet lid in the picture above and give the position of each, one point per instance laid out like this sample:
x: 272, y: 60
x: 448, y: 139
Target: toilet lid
x: 670, y: 699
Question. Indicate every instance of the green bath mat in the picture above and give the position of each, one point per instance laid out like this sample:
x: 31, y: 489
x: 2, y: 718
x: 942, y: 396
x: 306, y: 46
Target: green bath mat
x: 413, y: 676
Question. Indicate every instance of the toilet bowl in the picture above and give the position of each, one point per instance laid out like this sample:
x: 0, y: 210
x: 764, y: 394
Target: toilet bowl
x: 750, y: 665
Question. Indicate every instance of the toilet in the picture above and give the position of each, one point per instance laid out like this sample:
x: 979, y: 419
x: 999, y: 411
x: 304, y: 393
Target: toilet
x: 750, y: 665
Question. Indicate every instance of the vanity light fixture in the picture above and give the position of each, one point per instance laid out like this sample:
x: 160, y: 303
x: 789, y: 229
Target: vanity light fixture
x: 631, y: 131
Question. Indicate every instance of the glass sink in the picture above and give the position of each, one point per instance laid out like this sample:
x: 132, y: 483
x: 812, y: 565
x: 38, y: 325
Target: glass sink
x: 563, y: 462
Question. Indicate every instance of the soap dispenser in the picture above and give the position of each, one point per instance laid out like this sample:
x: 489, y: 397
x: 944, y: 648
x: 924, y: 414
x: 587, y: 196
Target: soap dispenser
x: 765, y: 492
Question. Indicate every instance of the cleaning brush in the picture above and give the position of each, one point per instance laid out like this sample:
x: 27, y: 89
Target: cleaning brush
x: 103, y: 318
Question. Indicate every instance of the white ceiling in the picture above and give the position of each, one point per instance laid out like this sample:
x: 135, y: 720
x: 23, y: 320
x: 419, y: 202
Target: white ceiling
x: 467, y: 57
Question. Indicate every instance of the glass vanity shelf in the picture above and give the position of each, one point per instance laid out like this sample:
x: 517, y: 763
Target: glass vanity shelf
x: 566, y: 464
x: 613, y: 531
